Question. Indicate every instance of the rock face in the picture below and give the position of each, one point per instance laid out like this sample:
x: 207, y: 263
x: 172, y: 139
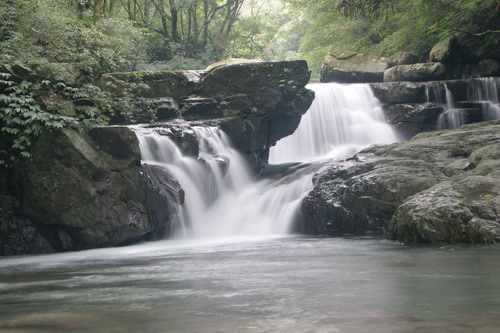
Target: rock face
x: 79, y: 196
x: 260, y: 102
x: 351, y: 67
x: 438, y: 187
x: 86, y: 190
x: 431, y: 71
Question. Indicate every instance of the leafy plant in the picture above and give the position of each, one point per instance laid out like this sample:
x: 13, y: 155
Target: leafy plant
x: 22, y: 119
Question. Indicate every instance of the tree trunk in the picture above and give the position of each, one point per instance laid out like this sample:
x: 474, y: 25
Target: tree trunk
x: 98, y: 8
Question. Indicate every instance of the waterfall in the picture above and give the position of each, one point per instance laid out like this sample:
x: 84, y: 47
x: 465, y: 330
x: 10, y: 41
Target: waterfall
x: 486, y: 91
x: 342, y: 120
x: 481, y: 91
x: 221, y: 196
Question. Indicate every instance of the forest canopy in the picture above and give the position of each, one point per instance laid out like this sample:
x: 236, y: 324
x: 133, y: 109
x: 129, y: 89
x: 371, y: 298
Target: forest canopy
x: 122, y: 35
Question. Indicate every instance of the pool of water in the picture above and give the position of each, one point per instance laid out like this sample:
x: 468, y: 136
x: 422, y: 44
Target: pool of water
x: 242, y: 285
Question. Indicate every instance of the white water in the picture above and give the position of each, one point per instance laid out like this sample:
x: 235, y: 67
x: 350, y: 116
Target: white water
x: 221, y: 197
x: 342, y: 120
x: 485, y: 91
x: 223, y: 201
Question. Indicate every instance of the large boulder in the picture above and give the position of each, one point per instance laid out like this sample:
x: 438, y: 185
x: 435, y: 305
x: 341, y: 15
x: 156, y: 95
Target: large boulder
x: 409, y: 119
x: 404, y: 58
x: 450, y: 51
x: 261, y: 103
x: 400, y: 92
x: 351, y: 67
x: 455, y: 56
x: 438, y: 187
x: 489, y: 67
x: 86, y: 190
x: 417, y: 72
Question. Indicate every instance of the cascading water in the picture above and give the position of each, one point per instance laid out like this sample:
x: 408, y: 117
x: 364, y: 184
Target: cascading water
x: 451, y: 118
x: 221, y: 198
x: 342, y: 120
x: 483, y: 91
x: 486, y: 91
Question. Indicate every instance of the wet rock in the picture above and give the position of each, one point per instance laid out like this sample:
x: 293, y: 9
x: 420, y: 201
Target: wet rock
x: 427, y: 189
x: 119, y: 142
x: 196, y: 107
x: 182, y: 133
x: 411, y: 119
x: 351, y: 67
x: 417, y: 72
x: 399, y: 92
x: 261, y: 102
x: 163, y: 195
x: 231, y: 61
x: 82, y: 196
x: 19, y: 235
x: 166, y: 108
x: 461, y: 211
x: 466, y: 115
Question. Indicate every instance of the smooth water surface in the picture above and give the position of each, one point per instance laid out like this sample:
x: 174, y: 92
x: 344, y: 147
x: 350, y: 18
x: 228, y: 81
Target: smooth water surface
x: 274, y: 285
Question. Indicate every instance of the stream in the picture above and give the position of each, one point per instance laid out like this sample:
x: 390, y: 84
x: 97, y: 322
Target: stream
x: 291, y: 284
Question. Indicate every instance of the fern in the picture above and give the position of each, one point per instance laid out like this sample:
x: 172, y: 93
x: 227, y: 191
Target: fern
x: 22, y: 119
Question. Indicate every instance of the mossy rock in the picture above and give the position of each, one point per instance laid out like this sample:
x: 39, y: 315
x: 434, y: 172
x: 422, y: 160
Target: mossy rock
x: 424, y: 190
x: 351, y: 67
x: 174, y: 84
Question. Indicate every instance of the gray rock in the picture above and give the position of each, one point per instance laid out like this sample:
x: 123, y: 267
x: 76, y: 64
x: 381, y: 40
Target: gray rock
x: 19, y: 235
x: 196, y: 107
x: 416, y: 72
x: 96, y: 196
x: 449, y: 51
x: 261, y: 102
x: 404, y: 58
x: 489, y: 67
x: 350, y: 67
x: 164, y: 195
x: 399, y: 92
x: 427, y: 189
x: 174, y: 84
x: 411, y: 119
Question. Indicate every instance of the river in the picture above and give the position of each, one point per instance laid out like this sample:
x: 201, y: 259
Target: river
x: 292, y: 284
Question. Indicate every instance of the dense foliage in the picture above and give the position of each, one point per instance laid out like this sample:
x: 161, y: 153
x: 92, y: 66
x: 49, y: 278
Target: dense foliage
x: 383, y: 27
x: 127, y: 35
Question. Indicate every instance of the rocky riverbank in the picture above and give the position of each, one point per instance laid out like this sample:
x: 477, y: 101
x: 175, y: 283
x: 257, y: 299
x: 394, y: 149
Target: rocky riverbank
x: 440, y: 186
